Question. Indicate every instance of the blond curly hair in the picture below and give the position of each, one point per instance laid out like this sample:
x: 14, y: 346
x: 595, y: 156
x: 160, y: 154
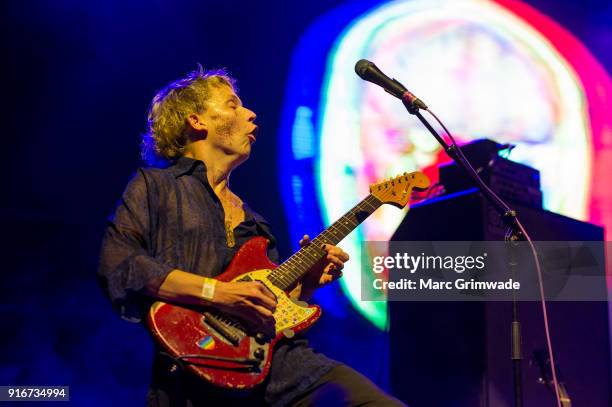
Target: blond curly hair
x: 167, y: 127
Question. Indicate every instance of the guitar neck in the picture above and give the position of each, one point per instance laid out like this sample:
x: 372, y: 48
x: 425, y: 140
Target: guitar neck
x: 296, y: 266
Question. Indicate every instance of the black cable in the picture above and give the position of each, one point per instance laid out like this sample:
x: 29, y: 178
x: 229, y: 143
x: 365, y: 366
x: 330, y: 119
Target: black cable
x: 176, y: 369
x: 534, y: 252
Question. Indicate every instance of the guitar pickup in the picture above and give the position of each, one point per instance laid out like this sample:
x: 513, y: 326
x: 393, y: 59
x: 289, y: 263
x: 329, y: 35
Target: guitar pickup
x: 232, y: 334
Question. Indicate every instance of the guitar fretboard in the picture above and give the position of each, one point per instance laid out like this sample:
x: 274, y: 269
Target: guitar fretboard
x: 289, y: 272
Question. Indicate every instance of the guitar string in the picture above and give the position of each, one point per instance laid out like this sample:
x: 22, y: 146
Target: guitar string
x: 301, y: 268
x: 297, y: 264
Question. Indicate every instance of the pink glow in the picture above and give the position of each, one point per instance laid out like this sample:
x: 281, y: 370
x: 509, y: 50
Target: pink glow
x: 597, y: 87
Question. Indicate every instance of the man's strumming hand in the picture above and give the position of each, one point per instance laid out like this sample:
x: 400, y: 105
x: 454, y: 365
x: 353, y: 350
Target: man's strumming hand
x: 249, y: 300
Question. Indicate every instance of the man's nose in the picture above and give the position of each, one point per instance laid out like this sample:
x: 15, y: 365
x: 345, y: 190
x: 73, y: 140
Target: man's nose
x: 251, y: 116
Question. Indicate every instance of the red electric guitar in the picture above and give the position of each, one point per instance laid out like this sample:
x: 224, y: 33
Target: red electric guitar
x: 222, y: 350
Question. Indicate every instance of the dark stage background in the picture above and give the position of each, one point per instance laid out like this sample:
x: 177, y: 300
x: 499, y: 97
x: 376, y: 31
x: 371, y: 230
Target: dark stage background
x: 78, y: 77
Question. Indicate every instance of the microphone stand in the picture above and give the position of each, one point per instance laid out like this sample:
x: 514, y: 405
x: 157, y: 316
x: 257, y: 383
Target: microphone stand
x: 509, y: 217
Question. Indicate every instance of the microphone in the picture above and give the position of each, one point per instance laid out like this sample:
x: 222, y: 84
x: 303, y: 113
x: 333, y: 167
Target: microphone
x: 370, y: 72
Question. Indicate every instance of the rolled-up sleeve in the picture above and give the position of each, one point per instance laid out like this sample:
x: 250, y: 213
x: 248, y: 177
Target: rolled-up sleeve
x: 127, y: 263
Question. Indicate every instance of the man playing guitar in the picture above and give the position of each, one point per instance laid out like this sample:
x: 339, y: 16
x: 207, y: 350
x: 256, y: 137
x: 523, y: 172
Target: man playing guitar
x: 178, y: 225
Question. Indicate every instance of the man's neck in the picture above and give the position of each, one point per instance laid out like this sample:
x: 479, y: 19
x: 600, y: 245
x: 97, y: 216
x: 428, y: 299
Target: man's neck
x: 219, y: 166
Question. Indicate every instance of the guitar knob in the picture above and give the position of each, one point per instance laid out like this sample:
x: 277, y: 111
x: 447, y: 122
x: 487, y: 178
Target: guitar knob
x: 259, y: 353
x: 260, y: 338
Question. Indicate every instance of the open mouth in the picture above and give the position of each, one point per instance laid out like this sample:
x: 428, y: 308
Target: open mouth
x: 253, y: 134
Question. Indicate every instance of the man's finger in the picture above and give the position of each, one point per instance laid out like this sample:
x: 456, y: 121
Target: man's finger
x: 333, y: 270
x: 265, y: 297
x: 253, y: 313
x: 335, y: 261
x: 331, y: 277
x: 336, y: 251
x: 266, y: 291
x: 264, y: 313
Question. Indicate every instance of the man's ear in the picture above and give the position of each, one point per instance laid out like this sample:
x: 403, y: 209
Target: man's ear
x: 196, y: 123
x: 199, y: 129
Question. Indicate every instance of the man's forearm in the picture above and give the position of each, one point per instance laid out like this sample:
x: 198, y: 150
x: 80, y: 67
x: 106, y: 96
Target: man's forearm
x: 178, y: 286
x: 249, y: 300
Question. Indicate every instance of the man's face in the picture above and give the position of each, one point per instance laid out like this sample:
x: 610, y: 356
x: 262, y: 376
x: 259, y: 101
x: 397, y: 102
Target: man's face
x: 230, y: 126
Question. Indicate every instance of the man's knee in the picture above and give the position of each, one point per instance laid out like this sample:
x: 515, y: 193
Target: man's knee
x: 343, y: 386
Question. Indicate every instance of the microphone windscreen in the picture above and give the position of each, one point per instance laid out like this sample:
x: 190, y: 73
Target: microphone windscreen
x: 362, y: 66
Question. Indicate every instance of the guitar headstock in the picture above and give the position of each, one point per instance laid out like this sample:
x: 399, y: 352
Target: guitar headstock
x: 397, y: 190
